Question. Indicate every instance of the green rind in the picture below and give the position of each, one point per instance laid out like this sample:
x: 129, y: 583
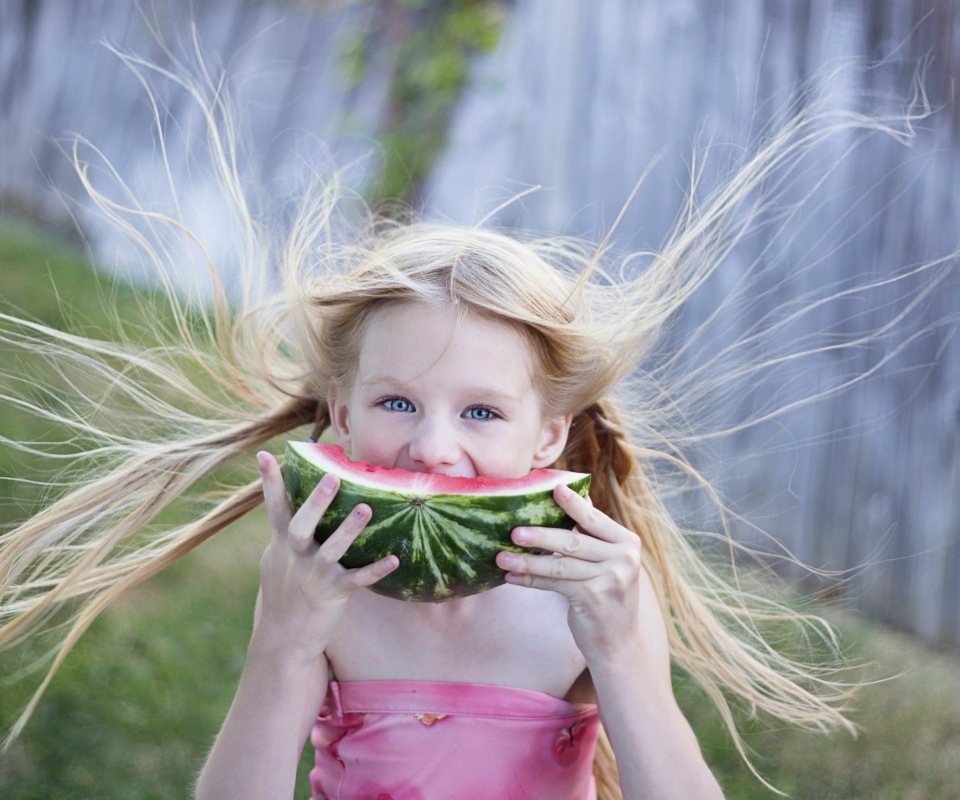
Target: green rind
x: 446, y: 546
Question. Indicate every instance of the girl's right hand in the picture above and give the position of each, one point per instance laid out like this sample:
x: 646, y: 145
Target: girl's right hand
x: 304, y: 589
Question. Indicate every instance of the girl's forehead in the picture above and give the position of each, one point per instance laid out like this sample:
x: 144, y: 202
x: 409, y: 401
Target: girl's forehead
x: 416, y: 339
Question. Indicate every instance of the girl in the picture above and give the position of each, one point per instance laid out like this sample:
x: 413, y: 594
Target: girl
x: 434, y: 348
x: 456, y: 351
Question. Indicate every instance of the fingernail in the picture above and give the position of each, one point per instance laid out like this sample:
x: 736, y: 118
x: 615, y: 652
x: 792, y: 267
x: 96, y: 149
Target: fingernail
x: 360, y: 512
x: 512, y: 577
x: 507, y: 560
x: 564, y: 492
x: 328, y: 481
x: 261, y: 460
x: 520, y: 535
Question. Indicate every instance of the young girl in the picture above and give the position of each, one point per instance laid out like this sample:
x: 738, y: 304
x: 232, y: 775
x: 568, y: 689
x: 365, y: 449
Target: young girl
x: 441, y: 349
x: 458, y: 352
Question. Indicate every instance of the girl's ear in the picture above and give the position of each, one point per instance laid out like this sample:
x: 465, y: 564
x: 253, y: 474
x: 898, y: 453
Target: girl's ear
x: 339, y: 418
x: 553, y: 438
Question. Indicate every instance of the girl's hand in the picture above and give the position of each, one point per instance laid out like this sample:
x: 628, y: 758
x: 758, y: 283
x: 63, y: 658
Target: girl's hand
x: 304, y: 590
x: 597, y: 566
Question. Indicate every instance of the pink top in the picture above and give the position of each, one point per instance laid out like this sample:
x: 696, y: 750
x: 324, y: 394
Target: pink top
x: 426, y: 740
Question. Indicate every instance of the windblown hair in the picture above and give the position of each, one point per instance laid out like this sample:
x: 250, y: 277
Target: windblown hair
x: 237, y: 374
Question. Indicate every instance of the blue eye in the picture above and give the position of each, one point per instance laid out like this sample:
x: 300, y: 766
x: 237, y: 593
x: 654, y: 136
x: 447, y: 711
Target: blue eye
x: 480, y: 413
x: 397, y: 404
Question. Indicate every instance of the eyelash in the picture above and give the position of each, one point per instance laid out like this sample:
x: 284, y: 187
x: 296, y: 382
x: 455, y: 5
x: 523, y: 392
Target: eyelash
x: 387, y: 400
x: 494, y: 414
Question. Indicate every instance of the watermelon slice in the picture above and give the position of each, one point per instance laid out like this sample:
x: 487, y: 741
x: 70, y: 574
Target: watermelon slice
x: 446, y: 531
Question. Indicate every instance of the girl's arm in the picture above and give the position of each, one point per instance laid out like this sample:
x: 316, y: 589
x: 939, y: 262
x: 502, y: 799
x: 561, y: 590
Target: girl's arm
x: 657, y: 752
x: 618, y: 626
x: 303, y: 594
x: 258, y: 748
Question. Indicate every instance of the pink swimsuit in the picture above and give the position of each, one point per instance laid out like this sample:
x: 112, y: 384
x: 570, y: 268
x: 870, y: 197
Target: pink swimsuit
x: 426, y: 740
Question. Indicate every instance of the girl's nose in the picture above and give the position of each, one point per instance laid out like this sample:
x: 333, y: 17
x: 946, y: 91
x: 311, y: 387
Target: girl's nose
x: 433, y: 446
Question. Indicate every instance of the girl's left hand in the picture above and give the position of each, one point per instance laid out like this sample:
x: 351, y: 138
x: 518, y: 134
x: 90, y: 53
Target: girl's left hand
x: 597, y: 566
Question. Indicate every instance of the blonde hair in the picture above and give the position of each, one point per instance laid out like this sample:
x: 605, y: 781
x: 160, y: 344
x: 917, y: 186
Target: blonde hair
x: 236, y: 375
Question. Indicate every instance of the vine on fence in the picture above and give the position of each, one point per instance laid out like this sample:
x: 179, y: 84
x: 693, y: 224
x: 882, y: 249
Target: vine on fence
x: 431, y: 43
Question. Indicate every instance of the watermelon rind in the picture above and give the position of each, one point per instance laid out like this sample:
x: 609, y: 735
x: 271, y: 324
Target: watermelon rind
x: 447, y: 544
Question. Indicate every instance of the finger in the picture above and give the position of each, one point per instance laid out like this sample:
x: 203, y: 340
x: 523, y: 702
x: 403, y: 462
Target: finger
x: 539, y: 582
x: 332, y: 550
x: 305, y: 521
x: 274, y: 493
x: 556, y: 567
x: 558, y: 540
x: 589, y: 520
x: 370, y: 574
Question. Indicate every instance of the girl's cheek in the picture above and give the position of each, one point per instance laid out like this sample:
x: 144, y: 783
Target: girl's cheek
x: 504, y: 461
x: 378, y: 443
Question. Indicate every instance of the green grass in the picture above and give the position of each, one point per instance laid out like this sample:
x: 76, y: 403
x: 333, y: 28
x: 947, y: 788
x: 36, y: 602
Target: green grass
x: 908, y: 748
x: 52, y: 281
x: 44, y: 279
x: 138, y: 702
x: 135, y: 708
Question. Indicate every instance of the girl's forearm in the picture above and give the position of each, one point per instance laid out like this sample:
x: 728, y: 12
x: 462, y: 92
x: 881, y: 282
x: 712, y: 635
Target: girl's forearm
x: 657, y: 753
x: 258, y: 748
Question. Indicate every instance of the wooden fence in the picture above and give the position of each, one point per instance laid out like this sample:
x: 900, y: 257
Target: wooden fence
x: 583, y: 96
x: 580, y: 97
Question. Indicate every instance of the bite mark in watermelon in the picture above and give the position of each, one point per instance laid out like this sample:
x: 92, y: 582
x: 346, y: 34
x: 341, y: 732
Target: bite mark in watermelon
x: 446, y: 531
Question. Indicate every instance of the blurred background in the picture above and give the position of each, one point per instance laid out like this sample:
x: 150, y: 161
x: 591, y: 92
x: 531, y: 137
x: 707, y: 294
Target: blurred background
x: 453, y: 107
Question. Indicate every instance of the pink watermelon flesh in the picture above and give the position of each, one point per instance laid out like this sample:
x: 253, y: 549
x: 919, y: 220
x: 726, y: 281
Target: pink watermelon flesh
x: 334, y: 458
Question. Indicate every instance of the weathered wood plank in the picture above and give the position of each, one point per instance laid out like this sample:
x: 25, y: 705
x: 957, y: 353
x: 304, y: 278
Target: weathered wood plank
x: 862, y: 482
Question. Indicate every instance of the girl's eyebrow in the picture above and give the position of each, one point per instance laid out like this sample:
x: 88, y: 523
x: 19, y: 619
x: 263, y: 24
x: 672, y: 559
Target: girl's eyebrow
x: 484, y: 392
x: 384, y: 379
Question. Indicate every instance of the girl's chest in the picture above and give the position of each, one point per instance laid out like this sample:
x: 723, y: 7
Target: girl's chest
x: 509, y: 636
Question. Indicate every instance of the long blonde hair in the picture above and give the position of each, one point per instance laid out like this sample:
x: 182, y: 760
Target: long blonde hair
x: 238, y: 373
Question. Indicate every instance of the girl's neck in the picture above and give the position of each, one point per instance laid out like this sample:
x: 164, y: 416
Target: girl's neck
x: 509, y: 636
x: 461, y: 610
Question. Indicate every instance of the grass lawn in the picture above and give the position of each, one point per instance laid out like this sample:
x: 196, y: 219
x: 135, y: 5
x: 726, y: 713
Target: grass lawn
x: 909, y: 747
x: 138, y: 702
